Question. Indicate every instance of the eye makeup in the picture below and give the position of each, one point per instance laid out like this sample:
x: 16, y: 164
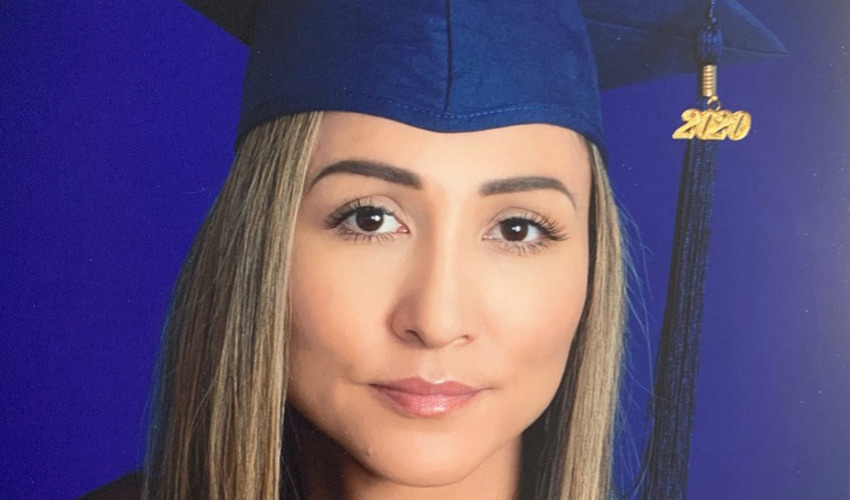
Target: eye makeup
x: 518, y: 223
x: 345, y: 219
x: 348, y: 221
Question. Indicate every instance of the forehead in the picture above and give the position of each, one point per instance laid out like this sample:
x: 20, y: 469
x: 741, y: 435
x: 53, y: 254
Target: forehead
x: 517, y: 150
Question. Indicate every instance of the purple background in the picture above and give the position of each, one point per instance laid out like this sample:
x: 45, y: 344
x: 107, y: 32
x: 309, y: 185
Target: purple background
x: 116, y: 133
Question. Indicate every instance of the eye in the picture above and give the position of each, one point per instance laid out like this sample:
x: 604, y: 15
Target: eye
x: 365, y: 219
x: 527, y: 233
x: 371, y: 219
x: 518, y: 229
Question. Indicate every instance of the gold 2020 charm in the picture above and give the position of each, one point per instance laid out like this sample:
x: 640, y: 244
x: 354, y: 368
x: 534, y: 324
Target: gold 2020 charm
x: 714, y: 125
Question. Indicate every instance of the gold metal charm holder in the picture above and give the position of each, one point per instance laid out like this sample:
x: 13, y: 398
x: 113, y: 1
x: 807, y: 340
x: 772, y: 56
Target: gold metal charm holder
x: 714, y: 123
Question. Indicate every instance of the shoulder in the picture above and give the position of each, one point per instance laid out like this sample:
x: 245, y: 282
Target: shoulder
x: 128, y: 487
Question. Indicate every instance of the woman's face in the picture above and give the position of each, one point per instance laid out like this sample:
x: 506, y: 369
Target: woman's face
x: 437, y: 283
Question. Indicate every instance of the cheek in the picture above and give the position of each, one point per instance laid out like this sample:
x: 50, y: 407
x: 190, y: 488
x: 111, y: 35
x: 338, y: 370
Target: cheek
x: 535, y: 311
x: 340, y: 301
x: 332, y: 306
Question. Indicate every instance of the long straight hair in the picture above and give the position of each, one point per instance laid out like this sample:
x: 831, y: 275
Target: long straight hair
x: 218, y: 408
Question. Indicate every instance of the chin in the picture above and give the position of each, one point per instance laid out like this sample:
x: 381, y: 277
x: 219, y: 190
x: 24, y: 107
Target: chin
x: 435, y: 464
x: 431, y: 454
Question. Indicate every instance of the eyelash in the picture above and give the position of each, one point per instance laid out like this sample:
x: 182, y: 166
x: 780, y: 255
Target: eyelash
x: 549, y: 230
x: 336, y: 219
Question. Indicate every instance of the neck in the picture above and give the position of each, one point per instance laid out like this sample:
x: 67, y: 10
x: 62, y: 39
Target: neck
x: 327, y: 472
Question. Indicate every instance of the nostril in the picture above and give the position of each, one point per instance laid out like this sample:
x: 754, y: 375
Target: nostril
x: 413, y: 335
x: 433, y: 340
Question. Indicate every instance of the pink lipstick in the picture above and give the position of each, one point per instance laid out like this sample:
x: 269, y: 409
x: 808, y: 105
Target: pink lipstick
x: 415, y: 397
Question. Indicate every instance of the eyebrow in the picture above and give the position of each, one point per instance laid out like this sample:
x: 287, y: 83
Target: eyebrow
x: 526, y: 183
x: 369, y: 168
x: 403, y: 177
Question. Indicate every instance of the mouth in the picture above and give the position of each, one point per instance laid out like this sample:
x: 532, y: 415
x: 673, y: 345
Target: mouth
x: 414, y: 397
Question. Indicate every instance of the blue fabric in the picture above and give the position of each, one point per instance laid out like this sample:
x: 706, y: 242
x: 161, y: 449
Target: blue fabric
x: 453, y: 65
x: 438, y: 65
x: 636, y: 41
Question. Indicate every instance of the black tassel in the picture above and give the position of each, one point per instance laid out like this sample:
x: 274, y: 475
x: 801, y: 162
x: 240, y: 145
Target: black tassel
x: 668, y: 450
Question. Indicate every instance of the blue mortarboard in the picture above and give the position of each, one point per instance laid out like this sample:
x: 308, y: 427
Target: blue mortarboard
x: 466, y: 65
x: 461, y: 66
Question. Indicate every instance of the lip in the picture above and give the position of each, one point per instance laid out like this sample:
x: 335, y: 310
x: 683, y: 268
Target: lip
x: 415, y: 397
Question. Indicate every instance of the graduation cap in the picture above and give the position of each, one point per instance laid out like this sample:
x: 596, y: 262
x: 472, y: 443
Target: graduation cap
x: 466, y: 65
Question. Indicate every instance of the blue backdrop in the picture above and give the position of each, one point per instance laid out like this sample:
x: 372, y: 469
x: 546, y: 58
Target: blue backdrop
x: 117, y: 125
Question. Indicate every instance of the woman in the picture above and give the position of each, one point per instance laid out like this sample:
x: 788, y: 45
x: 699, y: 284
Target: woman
x: 430, y: 303
x: 442, y: 284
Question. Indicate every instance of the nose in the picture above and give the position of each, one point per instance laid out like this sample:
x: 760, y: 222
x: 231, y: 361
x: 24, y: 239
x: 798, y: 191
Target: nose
x: 439, y: 302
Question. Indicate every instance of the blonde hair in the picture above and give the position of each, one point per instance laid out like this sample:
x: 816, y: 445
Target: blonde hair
x: 219, y: 404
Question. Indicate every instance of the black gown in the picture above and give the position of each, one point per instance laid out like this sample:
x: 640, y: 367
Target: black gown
x: 128, y: 487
